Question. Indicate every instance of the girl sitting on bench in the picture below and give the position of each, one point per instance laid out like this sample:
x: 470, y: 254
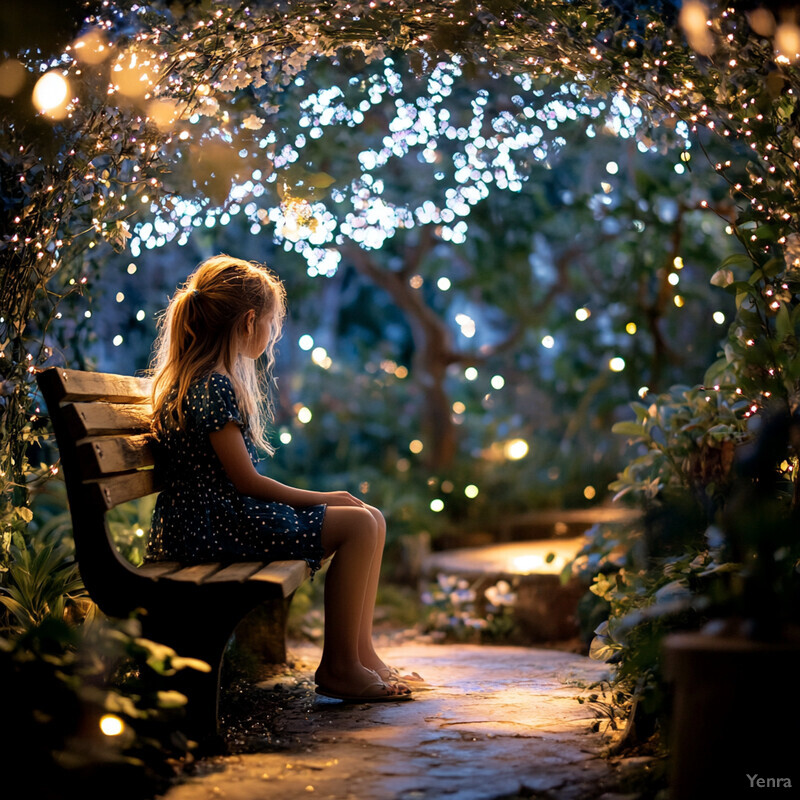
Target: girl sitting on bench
x: 210, y: 408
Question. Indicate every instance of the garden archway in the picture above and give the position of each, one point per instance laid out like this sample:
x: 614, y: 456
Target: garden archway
x: 78, y: 183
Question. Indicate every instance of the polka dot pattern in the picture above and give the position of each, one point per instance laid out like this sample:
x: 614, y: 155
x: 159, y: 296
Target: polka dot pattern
x: 200, y: 516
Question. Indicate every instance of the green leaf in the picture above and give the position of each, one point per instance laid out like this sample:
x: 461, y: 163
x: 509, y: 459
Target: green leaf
x: 320, y: 180
x: 601, y: 650
x: 628, y: 428
x: 783, y: 323
x: 181, y: 662
x: 737, y: 260
x: 715, y: 371
x: 171, y: 699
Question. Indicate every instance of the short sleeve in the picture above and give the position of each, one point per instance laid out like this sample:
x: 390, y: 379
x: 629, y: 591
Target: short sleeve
x: 212, y: 404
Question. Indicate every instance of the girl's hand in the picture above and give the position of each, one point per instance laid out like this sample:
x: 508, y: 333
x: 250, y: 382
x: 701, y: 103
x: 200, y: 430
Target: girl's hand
x: 341, y: 499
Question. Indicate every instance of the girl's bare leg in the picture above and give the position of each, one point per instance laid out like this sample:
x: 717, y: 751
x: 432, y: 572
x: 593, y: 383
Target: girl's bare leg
x: 352, y: 533
x: 366, y: 650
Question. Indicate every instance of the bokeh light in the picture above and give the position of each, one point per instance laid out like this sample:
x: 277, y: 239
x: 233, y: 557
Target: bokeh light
x: 616, y: 364
x: 50, y: 94
x: 12, y: 77
x: 516, y: 449
x: 111, y: 725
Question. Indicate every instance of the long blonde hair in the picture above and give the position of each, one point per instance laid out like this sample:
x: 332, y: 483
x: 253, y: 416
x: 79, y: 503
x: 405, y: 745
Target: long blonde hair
x: 199, y: 330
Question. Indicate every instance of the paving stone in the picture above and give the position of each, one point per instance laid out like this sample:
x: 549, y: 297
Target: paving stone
x: 493, y: 722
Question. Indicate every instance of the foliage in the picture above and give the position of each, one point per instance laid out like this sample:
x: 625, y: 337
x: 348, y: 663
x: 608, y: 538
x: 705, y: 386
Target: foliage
x: 689, y: 436
x: 715, y: 539
x: 42, y: 582
x: 68, y: 680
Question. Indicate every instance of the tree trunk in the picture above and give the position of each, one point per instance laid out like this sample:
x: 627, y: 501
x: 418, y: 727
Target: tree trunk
x: 433, y: 347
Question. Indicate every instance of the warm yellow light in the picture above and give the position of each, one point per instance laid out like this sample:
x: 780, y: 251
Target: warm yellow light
x: 787, y: 43
x: 318, y: 355
x: 471, y: 491
x: 12, y: 77
x: 164, y: 112
x: 677, y: 262
x: 762, y: 21
x: 437, y: 505
x: 459, y: 407
x: 516, y: 449
x: 693, y: 19
x: 134, y: 74
x: 589, y: 492
x: 582, y: 314
x: 304, y: 415
x: 678, y: 300
x: 616, y: 364
x: 631, y: 328
x: 719, y: 317
x: 111, y: 725
x: 91, y: 48
x: 50, y: 94
x: 415, y: 446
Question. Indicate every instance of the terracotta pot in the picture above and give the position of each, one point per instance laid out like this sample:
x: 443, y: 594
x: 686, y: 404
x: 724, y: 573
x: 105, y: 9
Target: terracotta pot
x: 734, y: 718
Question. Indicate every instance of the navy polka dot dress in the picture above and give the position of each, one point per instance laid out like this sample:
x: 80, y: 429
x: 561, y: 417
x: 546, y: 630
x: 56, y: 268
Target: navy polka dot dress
x: 199, y: 515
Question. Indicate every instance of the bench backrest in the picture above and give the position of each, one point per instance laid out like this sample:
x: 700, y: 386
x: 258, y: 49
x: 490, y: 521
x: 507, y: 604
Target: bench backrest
x: 102, y: 427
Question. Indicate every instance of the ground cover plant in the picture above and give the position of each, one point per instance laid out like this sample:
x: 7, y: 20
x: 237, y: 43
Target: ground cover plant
x: 152, y: 91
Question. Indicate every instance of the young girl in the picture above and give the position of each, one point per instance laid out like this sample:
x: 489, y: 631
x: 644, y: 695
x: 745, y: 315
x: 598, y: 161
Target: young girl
x: 208, y: 417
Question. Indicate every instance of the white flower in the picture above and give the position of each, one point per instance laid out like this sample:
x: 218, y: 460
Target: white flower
x: 501, y: 595
x: 253, y: 122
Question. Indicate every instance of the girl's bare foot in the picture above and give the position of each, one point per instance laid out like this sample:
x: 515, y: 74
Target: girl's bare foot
x: 357, y: 685
x: 387, y: 673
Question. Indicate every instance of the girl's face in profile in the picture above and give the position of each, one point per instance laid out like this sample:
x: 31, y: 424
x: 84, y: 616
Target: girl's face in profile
x: 256, y: 343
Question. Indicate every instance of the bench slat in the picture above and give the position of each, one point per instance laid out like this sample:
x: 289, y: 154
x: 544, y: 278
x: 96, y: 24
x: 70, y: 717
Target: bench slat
x: 118, y: 454
x: 287, y: 574
x: 121, y: 488
x: 196, y: 573
x: 77, y: 385
x: 236, y: 572
x: 97, y: 419
x: 157, y: 569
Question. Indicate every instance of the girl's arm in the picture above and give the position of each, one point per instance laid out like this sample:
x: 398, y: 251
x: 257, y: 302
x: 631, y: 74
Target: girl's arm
x: 228, y: 444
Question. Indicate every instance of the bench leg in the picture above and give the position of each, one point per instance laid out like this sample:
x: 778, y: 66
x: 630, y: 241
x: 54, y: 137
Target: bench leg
x: 262, y: 633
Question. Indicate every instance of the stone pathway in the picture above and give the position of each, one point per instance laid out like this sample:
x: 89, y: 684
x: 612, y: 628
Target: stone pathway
x: 494, y: 722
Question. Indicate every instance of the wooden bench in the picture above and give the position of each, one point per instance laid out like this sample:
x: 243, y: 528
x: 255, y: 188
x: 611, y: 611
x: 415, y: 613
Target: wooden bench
x: 101, y: 424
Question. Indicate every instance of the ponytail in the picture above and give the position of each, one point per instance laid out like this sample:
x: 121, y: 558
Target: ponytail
x: 199, y: 332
